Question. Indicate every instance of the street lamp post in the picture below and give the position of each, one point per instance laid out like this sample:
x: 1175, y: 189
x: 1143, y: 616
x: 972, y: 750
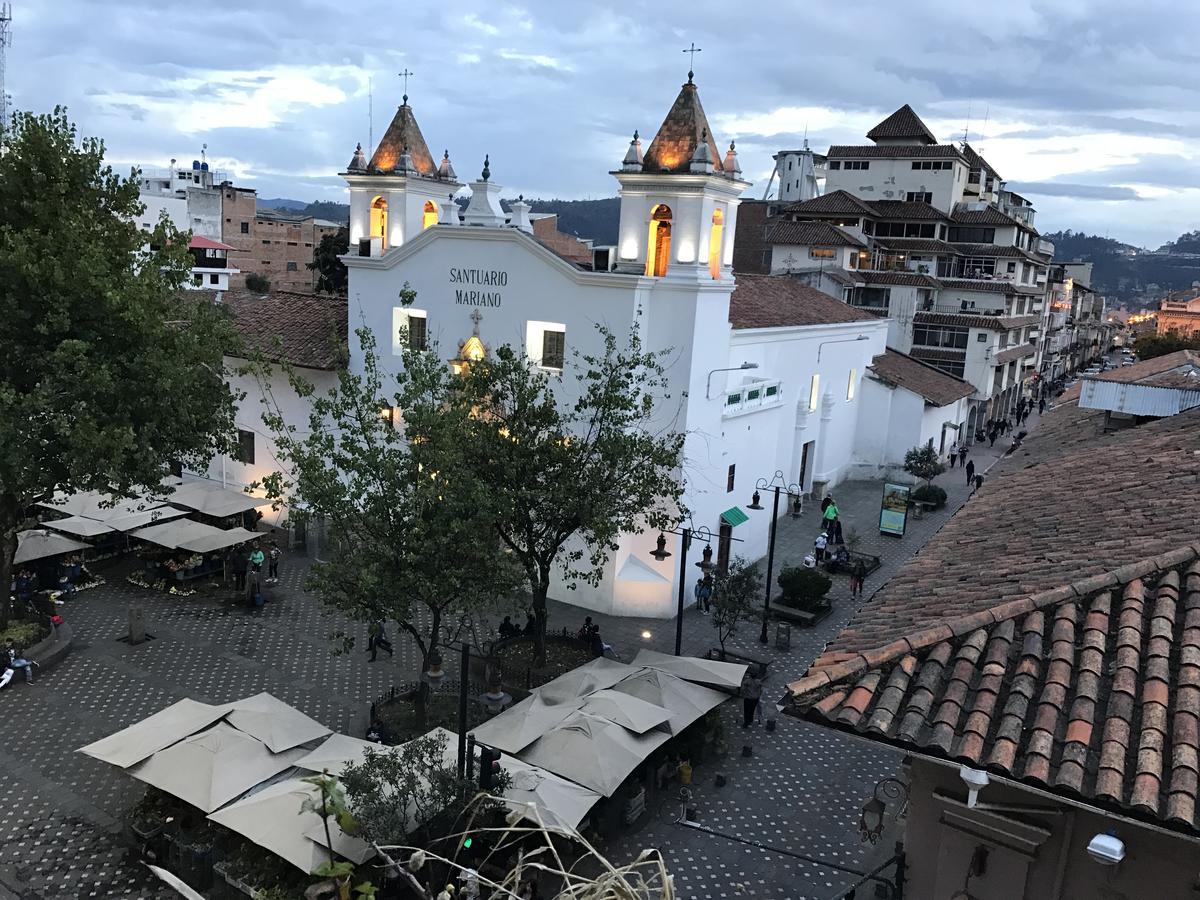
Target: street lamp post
x: 706, y: 565
x: 777, y: 483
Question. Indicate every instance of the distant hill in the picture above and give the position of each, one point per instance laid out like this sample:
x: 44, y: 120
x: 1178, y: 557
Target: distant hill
x: 1132, y: 274
x: 282, y: 203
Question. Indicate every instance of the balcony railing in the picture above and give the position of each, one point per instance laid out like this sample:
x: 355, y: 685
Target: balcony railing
x: 753, y: 396
x: 200, y: 261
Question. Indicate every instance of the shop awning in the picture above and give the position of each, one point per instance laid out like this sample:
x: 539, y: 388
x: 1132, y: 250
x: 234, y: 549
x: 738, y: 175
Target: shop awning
x: 211, y: 499
x: 591, y: 751
x: 693, y: 668
x: 37, y: 543
x: 164, y: 728
x: 186, y: 534
x: 274, y: 722
x: 734, y: 516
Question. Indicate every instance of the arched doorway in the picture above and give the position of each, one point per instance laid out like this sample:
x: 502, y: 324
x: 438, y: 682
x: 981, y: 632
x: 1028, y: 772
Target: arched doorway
x: 379, y: 217
x: 430, y: 215
x: 658, y: 247
x: 716, y: 241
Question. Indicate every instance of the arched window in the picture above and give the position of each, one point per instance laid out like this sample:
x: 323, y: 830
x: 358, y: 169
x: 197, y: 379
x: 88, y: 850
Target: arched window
x: 715, y: 242
x: 379, y: 216
x: 430, y: 216
x: 658, y: 247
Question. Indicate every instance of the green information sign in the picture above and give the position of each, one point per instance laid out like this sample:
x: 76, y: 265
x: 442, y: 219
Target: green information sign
x: 893, y: 512
x: 734, y: 516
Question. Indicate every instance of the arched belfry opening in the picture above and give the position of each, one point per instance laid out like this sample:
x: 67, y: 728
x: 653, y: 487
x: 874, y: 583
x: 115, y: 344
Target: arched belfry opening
x: 658, y: 246
x: 379, y: 217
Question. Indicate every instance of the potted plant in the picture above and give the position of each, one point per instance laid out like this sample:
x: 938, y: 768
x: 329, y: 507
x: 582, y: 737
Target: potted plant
x: 803, y: 588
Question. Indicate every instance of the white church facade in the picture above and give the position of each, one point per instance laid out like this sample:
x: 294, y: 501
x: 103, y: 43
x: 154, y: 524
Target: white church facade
x: 765, y: 374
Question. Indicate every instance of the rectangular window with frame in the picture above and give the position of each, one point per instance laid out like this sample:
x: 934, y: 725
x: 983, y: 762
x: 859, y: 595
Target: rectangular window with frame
x: 835, y: 164
x: 822, y: 253
x: 245, y: 447
x: 292, y: 267
x: 814, y: 392
x: 851, y: 383
x: 554, y: 348
x: 214, y: 278
x: 245, y: 227
x: 418, y: 334
x: 729, y: 478
x: 919, y: 196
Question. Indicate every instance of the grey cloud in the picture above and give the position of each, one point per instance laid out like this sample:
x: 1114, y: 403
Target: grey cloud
x: 1081, y: 191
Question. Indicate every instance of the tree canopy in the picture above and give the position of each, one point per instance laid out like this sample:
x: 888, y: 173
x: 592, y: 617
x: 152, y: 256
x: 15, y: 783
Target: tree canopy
x: 1148, y: 346
x: 331, y: 271
x: 108, y: 372
x: 923, y: 462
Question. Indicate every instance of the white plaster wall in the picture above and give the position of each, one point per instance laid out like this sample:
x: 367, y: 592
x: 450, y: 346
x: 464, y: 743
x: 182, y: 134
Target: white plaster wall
x: 892, y: 179
x: 176, y: 208
x: 235, y: 475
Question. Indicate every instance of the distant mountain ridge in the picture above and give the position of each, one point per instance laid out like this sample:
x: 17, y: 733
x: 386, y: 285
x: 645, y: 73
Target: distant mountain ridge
x: 1132, y: 274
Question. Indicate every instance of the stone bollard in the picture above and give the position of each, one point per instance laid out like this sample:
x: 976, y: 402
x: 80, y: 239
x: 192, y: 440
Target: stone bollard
x: 137, y: 624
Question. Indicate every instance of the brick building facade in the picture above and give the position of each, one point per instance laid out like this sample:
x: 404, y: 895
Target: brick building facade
x: 275, y: 244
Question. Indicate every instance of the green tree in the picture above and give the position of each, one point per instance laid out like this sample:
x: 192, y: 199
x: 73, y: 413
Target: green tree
x: 331, y: 271
x: 571, y: 473
x: 411, y: 523
x: 258, y: 283
x: 107, y: 370
x: 923, y: 462
x: 1148, y: 346
x: 736, y: 593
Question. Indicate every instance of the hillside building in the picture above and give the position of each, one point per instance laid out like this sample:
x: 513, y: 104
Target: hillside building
x: 1179, y: 313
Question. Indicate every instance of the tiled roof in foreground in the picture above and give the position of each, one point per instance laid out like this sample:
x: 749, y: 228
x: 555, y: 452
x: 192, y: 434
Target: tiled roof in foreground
x: 779, y: 301
x: 1091, y: 690
x: 307, y: 330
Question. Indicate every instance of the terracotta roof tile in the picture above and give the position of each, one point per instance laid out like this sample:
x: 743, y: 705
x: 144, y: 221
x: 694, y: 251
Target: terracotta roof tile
x: 903, y: 123
x: 401, y: 133
x: 806, y: 234
x: 836, y: 203
x: 935, y: 386
x: 307, y: 330
x: 900, y: 151
x: 679, y: 135
x: 778, y: 301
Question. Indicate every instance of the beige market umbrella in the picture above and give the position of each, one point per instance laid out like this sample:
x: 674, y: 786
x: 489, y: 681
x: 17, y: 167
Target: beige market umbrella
x: 80, y: 526
x: 594, y: 752
x: 274, y: 722
x: 213, y: 767
x: 626, y: 709
x: 181, y: 887
x: 211, y: 499
x: 337, y: 752
x: 586, y: 679
x: 693, y: 668
x: 37, y: 543
x: 162, y: 729
x: 523, y: 723
x: 272, y: 818
x: 686, y: 701
x: 534, y: 790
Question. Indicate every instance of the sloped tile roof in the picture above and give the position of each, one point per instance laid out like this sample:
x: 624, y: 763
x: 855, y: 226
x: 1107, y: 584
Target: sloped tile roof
x: 898, y: 278
x: 1102, y: 502
x: 975, y: 161
x: 820, y: 234
x: 916, y: 245
x: 903, y: 123
x: 906, y: 209
x: 997, y: 250
x: 834, y: 203
x: 1181, y: 361
x: 922, y: 379
x: 777, y: 301
x: 307, y: 330
x: 987, y: 287
x: 680, y: 133
x: 1090, y: 689
x: 989, y: 216
x: 902, y: 151
x: 403, y: 132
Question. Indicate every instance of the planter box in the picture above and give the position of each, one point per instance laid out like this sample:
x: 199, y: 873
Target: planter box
x: 805, y: 618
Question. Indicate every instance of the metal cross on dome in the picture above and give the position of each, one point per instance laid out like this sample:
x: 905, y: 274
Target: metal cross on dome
x: 476, y: 317
x: 693, y: 50
x: 405, y: 75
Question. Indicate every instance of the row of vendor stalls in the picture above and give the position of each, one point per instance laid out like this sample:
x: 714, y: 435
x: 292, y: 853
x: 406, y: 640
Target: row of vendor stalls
x: 180, y: 533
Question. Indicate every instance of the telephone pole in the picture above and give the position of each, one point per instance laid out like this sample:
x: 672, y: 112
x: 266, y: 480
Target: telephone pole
x: 5, y: 43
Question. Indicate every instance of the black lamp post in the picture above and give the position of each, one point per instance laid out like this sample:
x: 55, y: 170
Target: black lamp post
x: 870, y: 825
x: 777, y: 483
x: 435, y: 676
x: 706, y: 565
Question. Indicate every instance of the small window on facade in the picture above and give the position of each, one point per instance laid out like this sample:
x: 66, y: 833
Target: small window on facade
x: 981, y: 337
x: 197, y: 280
x: 822, y: 252
x: 245, y: 448
x: 291, y: 267
x: 417, y: 332
x: 554, y: 346
x: 850, y: 384
x: 836, y: 164
x: 214, y: 279
x: 729, y: 478
x: 266, y: 241
x: 814, y: 393
x: 245, y: 228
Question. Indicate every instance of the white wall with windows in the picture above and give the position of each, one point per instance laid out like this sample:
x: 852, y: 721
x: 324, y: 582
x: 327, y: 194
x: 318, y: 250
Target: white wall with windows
x: 881, y: 178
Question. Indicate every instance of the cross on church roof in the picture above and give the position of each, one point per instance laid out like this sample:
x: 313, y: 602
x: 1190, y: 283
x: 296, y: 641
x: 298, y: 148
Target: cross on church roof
x: 693, y: 50
x: 476, y: 317
x: 405, y: 75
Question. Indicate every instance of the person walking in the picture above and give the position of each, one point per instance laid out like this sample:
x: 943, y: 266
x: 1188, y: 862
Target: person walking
x: 1041, y: 405
x: 978, y: 484
x: 751, y: 691
x: 238, y: 563
x: 970, y: 471
x: 858, y: 575
x: 377, y: 638
x: 953, y: 455
x: 992, y: 436
x: 273, y: 563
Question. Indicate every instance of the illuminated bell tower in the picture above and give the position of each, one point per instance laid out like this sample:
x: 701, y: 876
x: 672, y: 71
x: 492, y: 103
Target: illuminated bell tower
x: 400, y: 191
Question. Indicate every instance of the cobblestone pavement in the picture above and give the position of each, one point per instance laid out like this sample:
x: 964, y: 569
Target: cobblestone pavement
x: 61, y: 836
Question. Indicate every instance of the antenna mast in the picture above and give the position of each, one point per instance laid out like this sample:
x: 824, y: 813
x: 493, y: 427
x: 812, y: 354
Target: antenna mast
x: 5, y: 42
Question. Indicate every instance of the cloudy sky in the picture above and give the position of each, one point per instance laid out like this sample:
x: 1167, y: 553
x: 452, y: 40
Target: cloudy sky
x: 1090, y: 107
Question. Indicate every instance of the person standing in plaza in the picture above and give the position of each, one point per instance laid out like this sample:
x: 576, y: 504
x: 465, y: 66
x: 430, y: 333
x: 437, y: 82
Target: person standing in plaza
x: 970, y: 471
x: 273, y: 563
x: 830, y: 512
x: 978, y: 484
x: 238, y: 564
x: 751, y: 691
x: 703, y: 592
x: 858, y: 575
x: 819, y: 546
x: 1041, y: 405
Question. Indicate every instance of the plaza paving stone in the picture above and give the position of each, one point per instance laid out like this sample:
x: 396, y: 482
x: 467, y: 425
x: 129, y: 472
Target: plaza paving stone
x: 801, y: 790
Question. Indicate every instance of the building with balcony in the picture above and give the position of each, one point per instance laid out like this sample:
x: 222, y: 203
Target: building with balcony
x: 211, y: 269
x: 1179, y: 313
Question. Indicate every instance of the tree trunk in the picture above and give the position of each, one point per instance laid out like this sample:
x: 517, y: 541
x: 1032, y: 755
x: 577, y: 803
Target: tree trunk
x: 9, y: 511
x: 540, y: 589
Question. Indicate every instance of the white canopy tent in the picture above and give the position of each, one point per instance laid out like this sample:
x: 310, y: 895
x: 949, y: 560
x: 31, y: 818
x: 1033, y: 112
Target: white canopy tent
x: 162, y: 729
x: 38, y: 543
x: 272, y: 818
x: 586, y: 679
x: 80, y: 526
x: 119, y: 514
x: 337, y: 752
x: 693, y: 668
x: 210, y: 499
x: 626, y: 709
x: 275, y: 723
x: 213, y: 767
x: 686, y: 702
x: 523, y: 723
x: 186, y: 534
